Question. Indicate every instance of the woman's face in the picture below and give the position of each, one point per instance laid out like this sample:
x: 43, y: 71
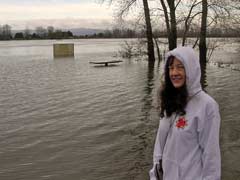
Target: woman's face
x: 177, y: 73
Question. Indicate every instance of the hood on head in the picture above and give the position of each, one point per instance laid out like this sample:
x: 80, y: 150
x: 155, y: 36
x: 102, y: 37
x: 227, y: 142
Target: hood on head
x: 189, y: 59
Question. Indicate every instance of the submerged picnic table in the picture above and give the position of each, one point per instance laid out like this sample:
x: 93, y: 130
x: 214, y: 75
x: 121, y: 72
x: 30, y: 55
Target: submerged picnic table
x: 105, y: 62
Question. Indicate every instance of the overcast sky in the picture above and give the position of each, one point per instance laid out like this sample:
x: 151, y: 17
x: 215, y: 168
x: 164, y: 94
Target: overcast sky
x: 59, y: 13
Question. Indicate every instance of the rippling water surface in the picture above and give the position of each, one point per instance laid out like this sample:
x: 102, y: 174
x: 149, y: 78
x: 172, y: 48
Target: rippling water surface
x: 67, y: 119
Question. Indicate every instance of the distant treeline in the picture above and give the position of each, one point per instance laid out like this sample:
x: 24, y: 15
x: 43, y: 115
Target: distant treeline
x: 211, y: 32
x: 51, y: 33
x: 38, y: 33
x: 115, y: 33
x: 129, y: 33
x: 54, y: 35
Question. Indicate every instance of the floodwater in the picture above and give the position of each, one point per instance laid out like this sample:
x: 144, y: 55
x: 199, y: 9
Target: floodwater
x: 65, y: 119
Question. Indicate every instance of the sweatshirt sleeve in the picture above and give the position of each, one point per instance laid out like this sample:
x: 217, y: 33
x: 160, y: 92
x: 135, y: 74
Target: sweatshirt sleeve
x: 160, y: 141
x: 209, y: 142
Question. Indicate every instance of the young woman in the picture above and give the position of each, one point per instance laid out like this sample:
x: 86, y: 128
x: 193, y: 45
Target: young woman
x: 187, y: 142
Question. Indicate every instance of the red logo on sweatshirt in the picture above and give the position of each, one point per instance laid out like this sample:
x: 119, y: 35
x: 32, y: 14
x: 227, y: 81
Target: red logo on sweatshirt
x: 181, y: 123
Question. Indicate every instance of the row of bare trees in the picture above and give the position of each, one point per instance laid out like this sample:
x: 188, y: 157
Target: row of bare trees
x: 5, y: 32
x: 39, y: 33
x: 171, y: 15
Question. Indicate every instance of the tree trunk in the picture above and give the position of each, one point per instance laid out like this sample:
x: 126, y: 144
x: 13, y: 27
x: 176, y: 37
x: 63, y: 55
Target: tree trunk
x: 173, y: 29
x: 202, y: 43
x: 158, y: 50
x: 149, y: 34
x: 166, y: 22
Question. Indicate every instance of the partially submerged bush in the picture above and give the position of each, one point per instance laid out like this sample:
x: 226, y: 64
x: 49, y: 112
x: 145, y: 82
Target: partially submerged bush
x: 131, y: 49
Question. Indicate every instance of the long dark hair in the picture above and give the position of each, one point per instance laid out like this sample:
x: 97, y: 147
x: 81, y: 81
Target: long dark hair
x: 172, y: 100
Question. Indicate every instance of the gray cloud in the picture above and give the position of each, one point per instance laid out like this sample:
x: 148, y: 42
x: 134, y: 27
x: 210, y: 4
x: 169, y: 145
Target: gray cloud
x: 66, y: 23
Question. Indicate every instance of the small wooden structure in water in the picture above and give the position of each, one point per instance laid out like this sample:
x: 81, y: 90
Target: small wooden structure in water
x: 63, y: 50
x: 106, y: 63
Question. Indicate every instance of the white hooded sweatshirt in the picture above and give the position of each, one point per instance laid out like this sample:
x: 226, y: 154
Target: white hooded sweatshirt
x: 190, y: 150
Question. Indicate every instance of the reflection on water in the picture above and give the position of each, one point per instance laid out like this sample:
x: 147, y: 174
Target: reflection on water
x: 224, y: 87
x: 66, y: 119
x: 204, y: 75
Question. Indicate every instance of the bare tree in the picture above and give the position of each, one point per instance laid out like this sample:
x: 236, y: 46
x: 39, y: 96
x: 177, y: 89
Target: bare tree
x: 171, y: 23
x: 50, y: 29
x: 27, y: 33
x: 124, y: 7
x: 149, y: 33
x: 227, y: 14
x: 41, y: 32
x: 202, y: 43
x: 6, y: 32
x: 197, y: 16
x: 188, y: 20
x: 50, y: 32
x: 1, y: 32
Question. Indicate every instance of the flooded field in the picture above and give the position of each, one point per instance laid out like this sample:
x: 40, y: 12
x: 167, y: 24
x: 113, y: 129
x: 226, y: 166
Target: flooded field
x: 66, y: 119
